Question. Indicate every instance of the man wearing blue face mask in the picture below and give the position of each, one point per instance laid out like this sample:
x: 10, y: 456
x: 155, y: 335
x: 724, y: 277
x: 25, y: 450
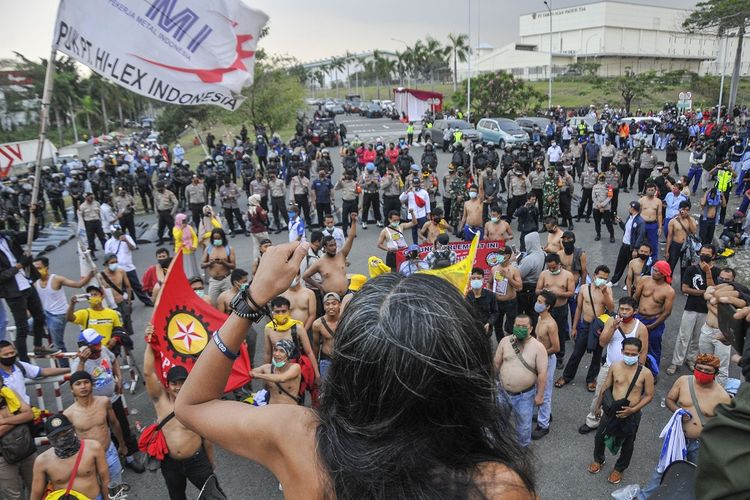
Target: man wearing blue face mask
x: 482, y: 300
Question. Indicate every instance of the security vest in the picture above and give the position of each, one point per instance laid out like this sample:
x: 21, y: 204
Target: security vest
x: 581, y: 128
x: 724, y: 180
x: 410, y: 129
x: 429, y: 124
x: 457, y: 135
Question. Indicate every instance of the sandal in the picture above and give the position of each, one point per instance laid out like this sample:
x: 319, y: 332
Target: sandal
x: 614, y: 477
x: 595, y: 467
x: 560, y: 382
x: 591, y: 386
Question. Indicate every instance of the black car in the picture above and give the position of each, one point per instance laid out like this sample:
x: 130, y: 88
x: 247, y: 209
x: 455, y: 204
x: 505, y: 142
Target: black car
x: 324, y: 132
x: 436, y: 132
x: 527, y: 124
x: 372, y: 110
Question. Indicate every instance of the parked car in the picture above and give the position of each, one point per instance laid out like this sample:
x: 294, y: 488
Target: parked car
x: 372, y: 110
x: 324, y: 132
x: 527, y: 123
x: 353, y: 104
x: 502, y: 132
x: 334, y: 107
x: 436, y: 132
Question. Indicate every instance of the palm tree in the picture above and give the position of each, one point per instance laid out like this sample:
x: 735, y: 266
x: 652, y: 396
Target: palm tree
x: 88, y: 108
x: 337, y: 64
x: 349, y: 58
x: 459, y: 46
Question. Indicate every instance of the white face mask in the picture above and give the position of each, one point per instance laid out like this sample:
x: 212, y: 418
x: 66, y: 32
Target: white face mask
x: 472, y: 194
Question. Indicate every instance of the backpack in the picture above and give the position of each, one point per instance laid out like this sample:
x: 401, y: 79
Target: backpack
x: 227, y: 247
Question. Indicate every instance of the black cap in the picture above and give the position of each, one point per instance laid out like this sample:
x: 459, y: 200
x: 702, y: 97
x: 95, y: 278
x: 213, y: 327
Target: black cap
x: 56, y: 424
x: 80, y: 375
x: 93, y: 288
x: 636, y: 205
x: 177, y: 373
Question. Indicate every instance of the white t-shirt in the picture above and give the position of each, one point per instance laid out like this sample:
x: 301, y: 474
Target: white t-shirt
x: 101, y: 372
x: 122, y: 250
x: 16, y: 381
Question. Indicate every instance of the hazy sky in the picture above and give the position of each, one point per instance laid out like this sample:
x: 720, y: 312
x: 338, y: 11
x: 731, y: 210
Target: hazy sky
x: 313, y: 30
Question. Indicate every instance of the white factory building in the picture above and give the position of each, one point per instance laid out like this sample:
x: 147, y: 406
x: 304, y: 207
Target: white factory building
x: 620, y: 37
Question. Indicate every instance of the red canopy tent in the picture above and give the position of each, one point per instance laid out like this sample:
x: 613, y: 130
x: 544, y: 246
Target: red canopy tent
x: 414, y: 103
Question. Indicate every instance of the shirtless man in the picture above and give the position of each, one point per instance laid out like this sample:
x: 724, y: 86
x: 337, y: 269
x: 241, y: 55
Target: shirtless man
x: 585, y: 315
x: 56, y: 464
x: 655, y: 297
x: 651, y: 212
x: 282, y: 376
x: 391, y: 239
x: 505, y: 284
x: 496, y: 229
x: 711, y: 340
x: 523, y: 381
x: 218, y: 260
x: 627, y: 417
x: 190, y: 457
x: 698, y: 395
x: 304, y: 305
x: 560, y: 282
x: 283, y: 326
x: 572, y: 258
x: 546, y: 333
x: 115, y: 279
x: 638, y: 267
x: 237, y: 278
x: 434, y: 227
x: 472, y: 218
x: 617, y: 328
x: 677, y: 231
x: 332, y: 264
x: 323, y: 329
x: 554, y: 235
x: 93, y: 417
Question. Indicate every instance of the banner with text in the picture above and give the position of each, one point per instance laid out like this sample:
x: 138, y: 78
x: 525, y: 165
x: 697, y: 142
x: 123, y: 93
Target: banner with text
x: 17, y: 154
x: 177, y: 51
x: 487, y: 253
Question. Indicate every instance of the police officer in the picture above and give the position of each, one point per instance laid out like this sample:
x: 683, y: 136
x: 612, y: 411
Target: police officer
x: 588, y: 179
x: 145, y: 188
x: 247, y: 172
x: 208, y: 169
x: 519, y: 187
x: 55, y: 189
x: 429, y: 158
x: 460, y: 195
x: 404, y: 162
x: 391, y: 186
x: 76, y: 188
x: 349, y: 199
x: 537, y: 178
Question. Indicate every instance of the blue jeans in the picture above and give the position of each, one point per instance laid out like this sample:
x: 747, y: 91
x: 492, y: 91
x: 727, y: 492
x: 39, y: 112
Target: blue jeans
x: 323, y: 366
x: 545, y: 410
x: 415, y: 230
x: 692, y: 445
x: 523, y: 409
x: 114, y: 465
x: 56, y: 328
x: 652, y: 235
x: 3, y: 319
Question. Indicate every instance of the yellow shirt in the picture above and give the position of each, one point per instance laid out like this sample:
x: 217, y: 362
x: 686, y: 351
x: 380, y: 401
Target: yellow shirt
x: 102, y: 321
x: 177, y: 235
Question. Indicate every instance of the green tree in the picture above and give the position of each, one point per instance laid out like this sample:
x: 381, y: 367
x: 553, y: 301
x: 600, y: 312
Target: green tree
x: 459, y: 47
x: 723, y: 16
x: 497, y: 94
x: 174, y: 120
x: 631, y: 85
x: 273, y: 99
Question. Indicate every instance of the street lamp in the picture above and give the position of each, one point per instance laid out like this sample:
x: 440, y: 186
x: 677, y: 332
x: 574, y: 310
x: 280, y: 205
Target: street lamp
x: 549, y: 92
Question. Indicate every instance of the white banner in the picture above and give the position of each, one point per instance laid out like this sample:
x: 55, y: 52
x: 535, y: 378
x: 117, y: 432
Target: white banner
x: 177, y: 51
x: 15, y: 154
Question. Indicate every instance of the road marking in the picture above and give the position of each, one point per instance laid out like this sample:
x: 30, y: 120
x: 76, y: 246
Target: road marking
x: 386, y: 126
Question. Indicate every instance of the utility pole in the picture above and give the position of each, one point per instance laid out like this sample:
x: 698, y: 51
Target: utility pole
x: 549, y: 91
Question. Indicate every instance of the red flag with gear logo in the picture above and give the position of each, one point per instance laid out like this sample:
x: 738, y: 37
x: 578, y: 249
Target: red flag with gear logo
x: 183, y: 325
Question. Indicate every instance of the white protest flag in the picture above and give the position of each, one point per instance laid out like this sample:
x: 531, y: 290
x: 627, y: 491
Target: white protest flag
x: 177, y: 51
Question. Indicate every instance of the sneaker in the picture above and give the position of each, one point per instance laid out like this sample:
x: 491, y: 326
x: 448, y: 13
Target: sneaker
x: 119, y: 492
x: 671, y: 370
x: 598, y: 237
x: 364, y: 225
x: 625, y: 288
x: 585, y: 429
x: 611, y: 239
x: 135, y: 465
x: 379, y: 224
x: 46, y: 351
x: 539, y: 433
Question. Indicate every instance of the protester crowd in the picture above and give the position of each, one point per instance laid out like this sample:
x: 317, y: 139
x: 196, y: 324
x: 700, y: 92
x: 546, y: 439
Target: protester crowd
x: 540, y: 300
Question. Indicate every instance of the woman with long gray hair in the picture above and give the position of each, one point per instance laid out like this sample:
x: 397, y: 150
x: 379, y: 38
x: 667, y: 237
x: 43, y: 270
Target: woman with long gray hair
x: 408, y: 409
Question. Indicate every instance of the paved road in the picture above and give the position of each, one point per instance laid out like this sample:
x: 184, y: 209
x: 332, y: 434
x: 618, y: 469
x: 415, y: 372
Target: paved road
x: 561, y: 457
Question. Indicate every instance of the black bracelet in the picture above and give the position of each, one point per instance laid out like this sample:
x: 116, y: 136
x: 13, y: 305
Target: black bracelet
x: 223, y: 348
x: 241, y: 308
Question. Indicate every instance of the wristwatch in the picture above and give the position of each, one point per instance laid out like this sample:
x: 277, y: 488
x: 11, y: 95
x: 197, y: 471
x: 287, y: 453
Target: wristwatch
x: 241, y: 308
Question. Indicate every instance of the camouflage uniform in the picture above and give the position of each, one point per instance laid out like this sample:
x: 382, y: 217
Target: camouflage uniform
x: 460, y: 193
x: 551, y: 192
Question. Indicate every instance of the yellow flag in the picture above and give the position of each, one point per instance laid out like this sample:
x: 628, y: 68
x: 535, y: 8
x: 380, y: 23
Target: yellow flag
x: 377, y: 267
x: 459, y: 273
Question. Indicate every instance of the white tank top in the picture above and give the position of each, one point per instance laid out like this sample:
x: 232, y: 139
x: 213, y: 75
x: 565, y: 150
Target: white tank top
x: 53, y: 301
x: 614, y: 348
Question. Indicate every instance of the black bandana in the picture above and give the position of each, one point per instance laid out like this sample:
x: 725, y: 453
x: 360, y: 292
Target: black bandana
x: 66, y: 444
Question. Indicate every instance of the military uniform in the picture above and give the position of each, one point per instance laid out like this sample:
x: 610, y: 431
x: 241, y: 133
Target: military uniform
x: 551, y: 191
x: 460, y: 193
